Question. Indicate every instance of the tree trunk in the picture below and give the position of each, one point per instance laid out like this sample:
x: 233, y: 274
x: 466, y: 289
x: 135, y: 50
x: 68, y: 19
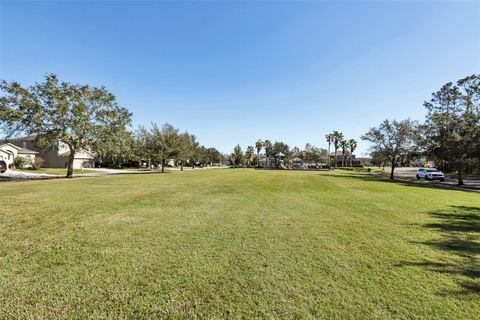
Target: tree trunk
x: 163, y: 165
x: 460, y: 173
x: 258, y: 158
x: 393, y: 168
x: 335, y: 157
x: 181, y: 165
x: 329, y: 158
x: 71, y: 159
x: 351, y: 160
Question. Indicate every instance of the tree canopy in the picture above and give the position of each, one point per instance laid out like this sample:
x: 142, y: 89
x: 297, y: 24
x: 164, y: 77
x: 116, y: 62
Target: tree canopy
x: 237, y: 157
x: 78, y: 115
x: 393, y: 140
x: 452, y: 129
x: 161, y: 143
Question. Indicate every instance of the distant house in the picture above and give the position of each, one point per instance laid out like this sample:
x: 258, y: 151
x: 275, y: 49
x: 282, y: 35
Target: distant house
x: 56, y: 155
x: 366, y: 161
x: 9, y: 151
x: 355, y: 162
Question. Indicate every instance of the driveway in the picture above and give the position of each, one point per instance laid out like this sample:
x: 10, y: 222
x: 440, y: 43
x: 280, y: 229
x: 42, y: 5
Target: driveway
x: 22, y: 175
x: 25, y: 175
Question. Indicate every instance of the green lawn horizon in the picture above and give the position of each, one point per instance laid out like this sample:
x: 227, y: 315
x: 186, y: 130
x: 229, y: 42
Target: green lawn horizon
x: 238, y: 244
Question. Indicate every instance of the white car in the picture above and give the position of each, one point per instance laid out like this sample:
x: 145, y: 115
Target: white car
x: 430, y: 174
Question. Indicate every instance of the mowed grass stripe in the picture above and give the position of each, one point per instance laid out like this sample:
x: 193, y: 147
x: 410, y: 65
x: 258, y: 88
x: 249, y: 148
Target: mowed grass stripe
x: 233, y: 243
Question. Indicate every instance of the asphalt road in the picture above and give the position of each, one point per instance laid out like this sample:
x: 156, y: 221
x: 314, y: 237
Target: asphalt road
x: 410, y: 174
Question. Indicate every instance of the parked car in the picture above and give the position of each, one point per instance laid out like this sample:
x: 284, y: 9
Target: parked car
x: 314, y: 166
x: 3, y: 166
x: 430, y: 174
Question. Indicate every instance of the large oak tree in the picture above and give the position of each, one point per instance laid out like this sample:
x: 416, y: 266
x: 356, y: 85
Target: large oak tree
x: 57, y: 110
x: 394, y: 141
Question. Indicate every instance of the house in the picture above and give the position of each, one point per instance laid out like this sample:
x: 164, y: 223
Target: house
x: 365, y: 161
x: 56, y: 155
x: 348, y: 157
x: 9, y: 151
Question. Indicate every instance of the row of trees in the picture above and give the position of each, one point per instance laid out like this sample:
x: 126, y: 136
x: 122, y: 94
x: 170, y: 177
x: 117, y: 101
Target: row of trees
x: 89, y: 117
x: 251, y: 156
x: 161, y: 144
x: 310, y: 154
x: 86, y: 117
x: 450, y: 134
x: 348, y: 147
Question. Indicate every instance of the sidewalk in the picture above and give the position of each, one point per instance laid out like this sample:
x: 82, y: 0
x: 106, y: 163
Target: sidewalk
x: 17, y: 175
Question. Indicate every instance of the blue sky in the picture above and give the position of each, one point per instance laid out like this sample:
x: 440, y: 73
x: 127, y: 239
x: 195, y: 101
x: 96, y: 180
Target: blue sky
x: 234, y: 72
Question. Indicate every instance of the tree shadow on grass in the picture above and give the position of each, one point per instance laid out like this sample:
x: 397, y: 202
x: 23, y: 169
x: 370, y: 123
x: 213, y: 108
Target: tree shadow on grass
x: 356, y: 175
x: 459, y: 231
x: 459, y: 228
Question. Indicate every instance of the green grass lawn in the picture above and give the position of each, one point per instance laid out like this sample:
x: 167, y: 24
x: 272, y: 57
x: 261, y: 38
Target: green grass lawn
x: 59, y: 171
x: 238, y: 244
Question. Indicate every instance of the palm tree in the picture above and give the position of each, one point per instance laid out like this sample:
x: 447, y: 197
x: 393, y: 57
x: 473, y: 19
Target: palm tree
x: 329, y: 138
x: 344, y: 144
x: 249, y: 155
x: 353, y: 145
x: 337, y: 137
x: 345, y: 157
x: 258, y: 146
x: 268, y: 150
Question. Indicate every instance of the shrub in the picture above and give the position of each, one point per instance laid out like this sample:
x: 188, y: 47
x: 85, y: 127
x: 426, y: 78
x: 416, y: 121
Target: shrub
x: 21, y: 162
x: 39, y: 162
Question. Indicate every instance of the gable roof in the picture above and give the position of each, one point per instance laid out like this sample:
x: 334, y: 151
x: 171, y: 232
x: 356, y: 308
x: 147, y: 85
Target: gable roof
x: 26, y: 151
x: 10, y: 145
x: 19, y: 149
x: 339, y: 153
x: 26, y: 138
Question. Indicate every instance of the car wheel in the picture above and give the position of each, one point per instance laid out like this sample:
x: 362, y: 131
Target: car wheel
x: 2, y: 171
x: 418, y: 177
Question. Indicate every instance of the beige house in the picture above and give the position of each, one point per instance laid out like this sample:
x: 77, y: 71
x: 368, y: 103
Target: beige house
x: 56, y: 155
x: 9, y: 151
